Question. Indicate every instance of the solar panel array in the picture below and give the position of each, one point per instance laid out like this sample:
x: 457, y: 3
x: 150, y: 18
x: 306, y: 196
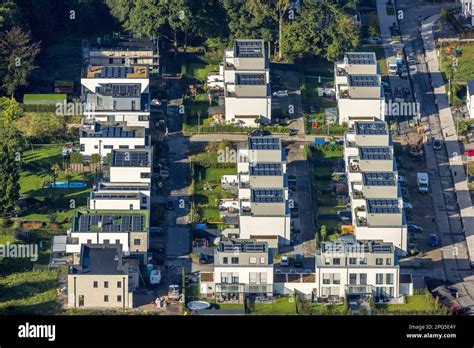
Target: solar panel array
x: 249, y: 49
x: 267, y: 196
x: 379, y: 178
x: 269, y: 169
x: 113, y: 72
x: 124, y: 188
x: 110, y: 132
x: 245, y: 247
x: 360, y: 58
x: 363, y: 80
x: 375, y: 153
x: 371, y: 128
x: 131, y: 158
x: 250, y: 79
x: 115, y: 196
x: 264, y: 143
x: 120, y: 90
x: 116, y: 223
x: 384, y: 206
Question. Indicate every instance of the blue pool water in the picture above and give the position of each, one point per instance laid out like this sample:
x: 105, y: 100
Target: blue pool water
x: 74, y: 184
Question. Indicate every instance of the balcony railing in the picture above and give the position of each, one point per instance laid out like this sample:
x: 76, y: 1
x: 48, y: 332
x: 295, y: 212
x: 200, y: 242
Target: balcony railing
x: 359, y: 289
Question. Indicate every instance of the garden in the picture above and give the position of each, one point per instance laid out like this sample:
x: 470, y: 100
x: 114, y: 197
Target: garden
x: 422, y: 304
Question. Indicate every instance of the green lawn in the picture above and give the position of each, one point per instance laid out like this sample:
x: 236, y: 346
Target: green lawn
x: 282, y: 306
x: 44, y: 99
x: 321, y: 309
x: 415, y: 304
x: 329, y: 209
x: 32, y: 292
x: 199, y: 71
x: 465, y: 69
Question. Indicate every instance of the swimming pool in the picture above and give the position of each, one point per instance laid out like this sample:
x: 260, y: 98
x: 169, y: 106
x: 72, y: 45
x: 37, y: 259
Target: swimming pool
x: 73, y: 184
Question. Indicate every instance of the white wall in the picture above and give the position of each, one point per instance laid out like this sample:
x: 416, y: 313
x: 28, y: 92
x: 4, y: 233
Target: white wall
x: 129, y: 174
x: 248, y: 106
x: 266, y: 226
x: 243, y: 273
x: 130, y: 118
x: 360, y: 108
x: 114, y: 204
x: 395, y: 235
x: 92, y: 83
x: 97, y: 238
x: 90, y: 143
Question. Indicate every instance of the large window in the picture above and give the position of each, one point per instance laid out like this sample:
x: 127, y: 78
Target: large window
x: 379, y: 261
x: 235, y: 278
x: 379, y: 278
x: 352, y: 278
x: 388, y: 261
x: 225, y: 260
x: 363, y: 261
x: 389, y: 278
x: 326, y: 278
x: 235, y: 260
x: 336, y: 279
x: 363, y: 279
x: 352, y: 261
x: 336, y: 261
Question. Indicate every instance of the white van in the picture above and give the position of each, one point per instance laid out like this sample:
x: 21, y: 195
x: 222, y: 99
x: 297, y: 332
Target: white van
x: 422, y: 181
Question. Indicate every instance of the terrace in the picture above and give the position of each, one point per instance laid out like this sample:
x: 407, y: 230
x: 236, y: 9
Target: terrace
x: 99, y: 130
x: 116, y: 72
x: 113, y: 221
x: 131, y: 158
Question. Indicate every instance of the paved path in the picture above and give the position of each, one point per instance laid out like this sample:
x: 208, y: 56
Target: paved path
x: 449, y: 133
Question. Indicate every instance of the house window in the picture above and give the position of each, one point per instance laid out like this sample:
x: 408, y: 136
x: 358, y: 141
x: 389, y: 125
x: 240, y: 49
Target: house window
x: 145, y: 175
x: 225, y: 260
x: 144, y: 200
x: 136, y: 241
x: 379, y: 278
x: 352, y: 261
x: 111, y: 61
x: 96, y: 146
x: 391, y: 291
x: 363, y: 261
x: 106, y: 298
x: 117, y: 241
x: 96, y: 284
x: 106, y: 241
x: 143, y: 118
x: 100, y: 101
x: 253, y: 260
x: 81, y: 300
x: 336, y: 261
x: 115, y: 105
x: 327, y: 261
x: 89, y: 241
x: 119, y: 298
x: 82, y: 147
x: 224, y: 279
x: 235, y: 260
x: 326, y: 278
x: 106, y: 284
x: 352, y: 278
x: 336, y: 279
x: 262, y: 260
x: 389, y: 278
x: 108, y: 147
x: 363, y: 279
x: 235, y: 278
x: 119, y: 284
x: 123, y: 146
x: 379, y: 261
x: 388, y: 261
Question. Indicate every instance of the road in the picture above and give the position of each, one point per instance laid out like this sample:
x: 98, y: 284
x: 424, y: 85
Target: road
x: 454, y: 265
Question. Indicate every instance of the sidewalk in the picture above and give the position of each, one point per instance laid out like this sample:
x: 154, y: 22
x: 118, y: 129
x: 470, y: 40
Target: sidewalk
x: 449, y: 133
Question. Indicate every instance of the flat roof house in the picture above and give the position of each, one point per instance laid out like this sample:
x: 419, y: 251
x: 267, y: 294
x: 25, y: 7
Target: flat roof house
x: 357, y: 269
x: 102, y: 279
x: 126, y: 228
x: 359, y: 91
x: 102, y: 138
x: 264, y: 206
x: 470, y: 98
x: 242, y: 269
x: 120, y: 196
x: 131, y: 165
x: 374, y: 190
x: 117, y: 94
x: 246, y: 80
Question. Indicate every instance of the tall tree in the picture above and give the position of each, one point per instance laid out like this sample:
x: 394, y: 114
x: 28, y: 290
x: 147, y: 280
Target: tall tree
x: 9, y: 15
x: 17, y: 56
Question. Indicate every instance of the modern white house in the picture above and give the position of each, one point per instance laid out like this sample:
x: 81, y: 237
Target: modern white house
x: 127, y: 228
x: 357, y: 270
x: 242, y: 269
x: 244, y: 77
x: 100, y: 138
x: 117, y: 94
x: 131, y: 165
x: 120, y: 196
x: 264, y: 204
x: 374, y: 190
x: 358, y: 87
x: 467, y: 6
x: 470, y: 98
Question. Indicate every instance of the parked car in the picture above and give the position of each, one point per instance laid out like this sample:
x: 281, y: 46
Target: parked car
x: 402, y: 179
x: 205, y: 259
x: 469, y: 153
x: 169, y: 205
x: 414, y: 229
x: 293, y: 132
x: 285, y: 261
x: 392, y: 69
x: 298, y: 260
x: 156, y: 102
x: 374, y: 39
x: 259, y: 133
x: 437, y: 144
x: 433, y: 240
x: 280, y: 94
x: 407, y: 206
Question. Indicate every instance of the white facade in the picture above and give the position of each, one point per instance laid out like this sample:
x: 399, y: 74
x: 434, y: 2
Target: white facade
x: 358, y: 102
x: 130, y: 174
x: 104, y: 146
x: 467, y: 10
x: 98, y: 238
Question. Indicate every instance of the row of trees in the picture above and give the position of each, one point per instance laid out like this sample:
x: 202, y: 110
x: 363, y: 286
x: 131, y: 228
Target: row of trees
x: 322, y: 27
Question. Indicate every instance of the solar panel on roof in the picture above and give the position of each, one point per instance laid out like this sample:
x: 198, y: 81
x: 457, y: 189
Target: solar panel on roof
x: 273, y: 169
x: 249, y: 49
x: 267, y: 196
x: 264, y: 143
x: 250, y: 79
x: 385, y: 206
x: 363, y: 80
x: 360, y: 58
x: 375, y: 153
x: 365, y: 128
